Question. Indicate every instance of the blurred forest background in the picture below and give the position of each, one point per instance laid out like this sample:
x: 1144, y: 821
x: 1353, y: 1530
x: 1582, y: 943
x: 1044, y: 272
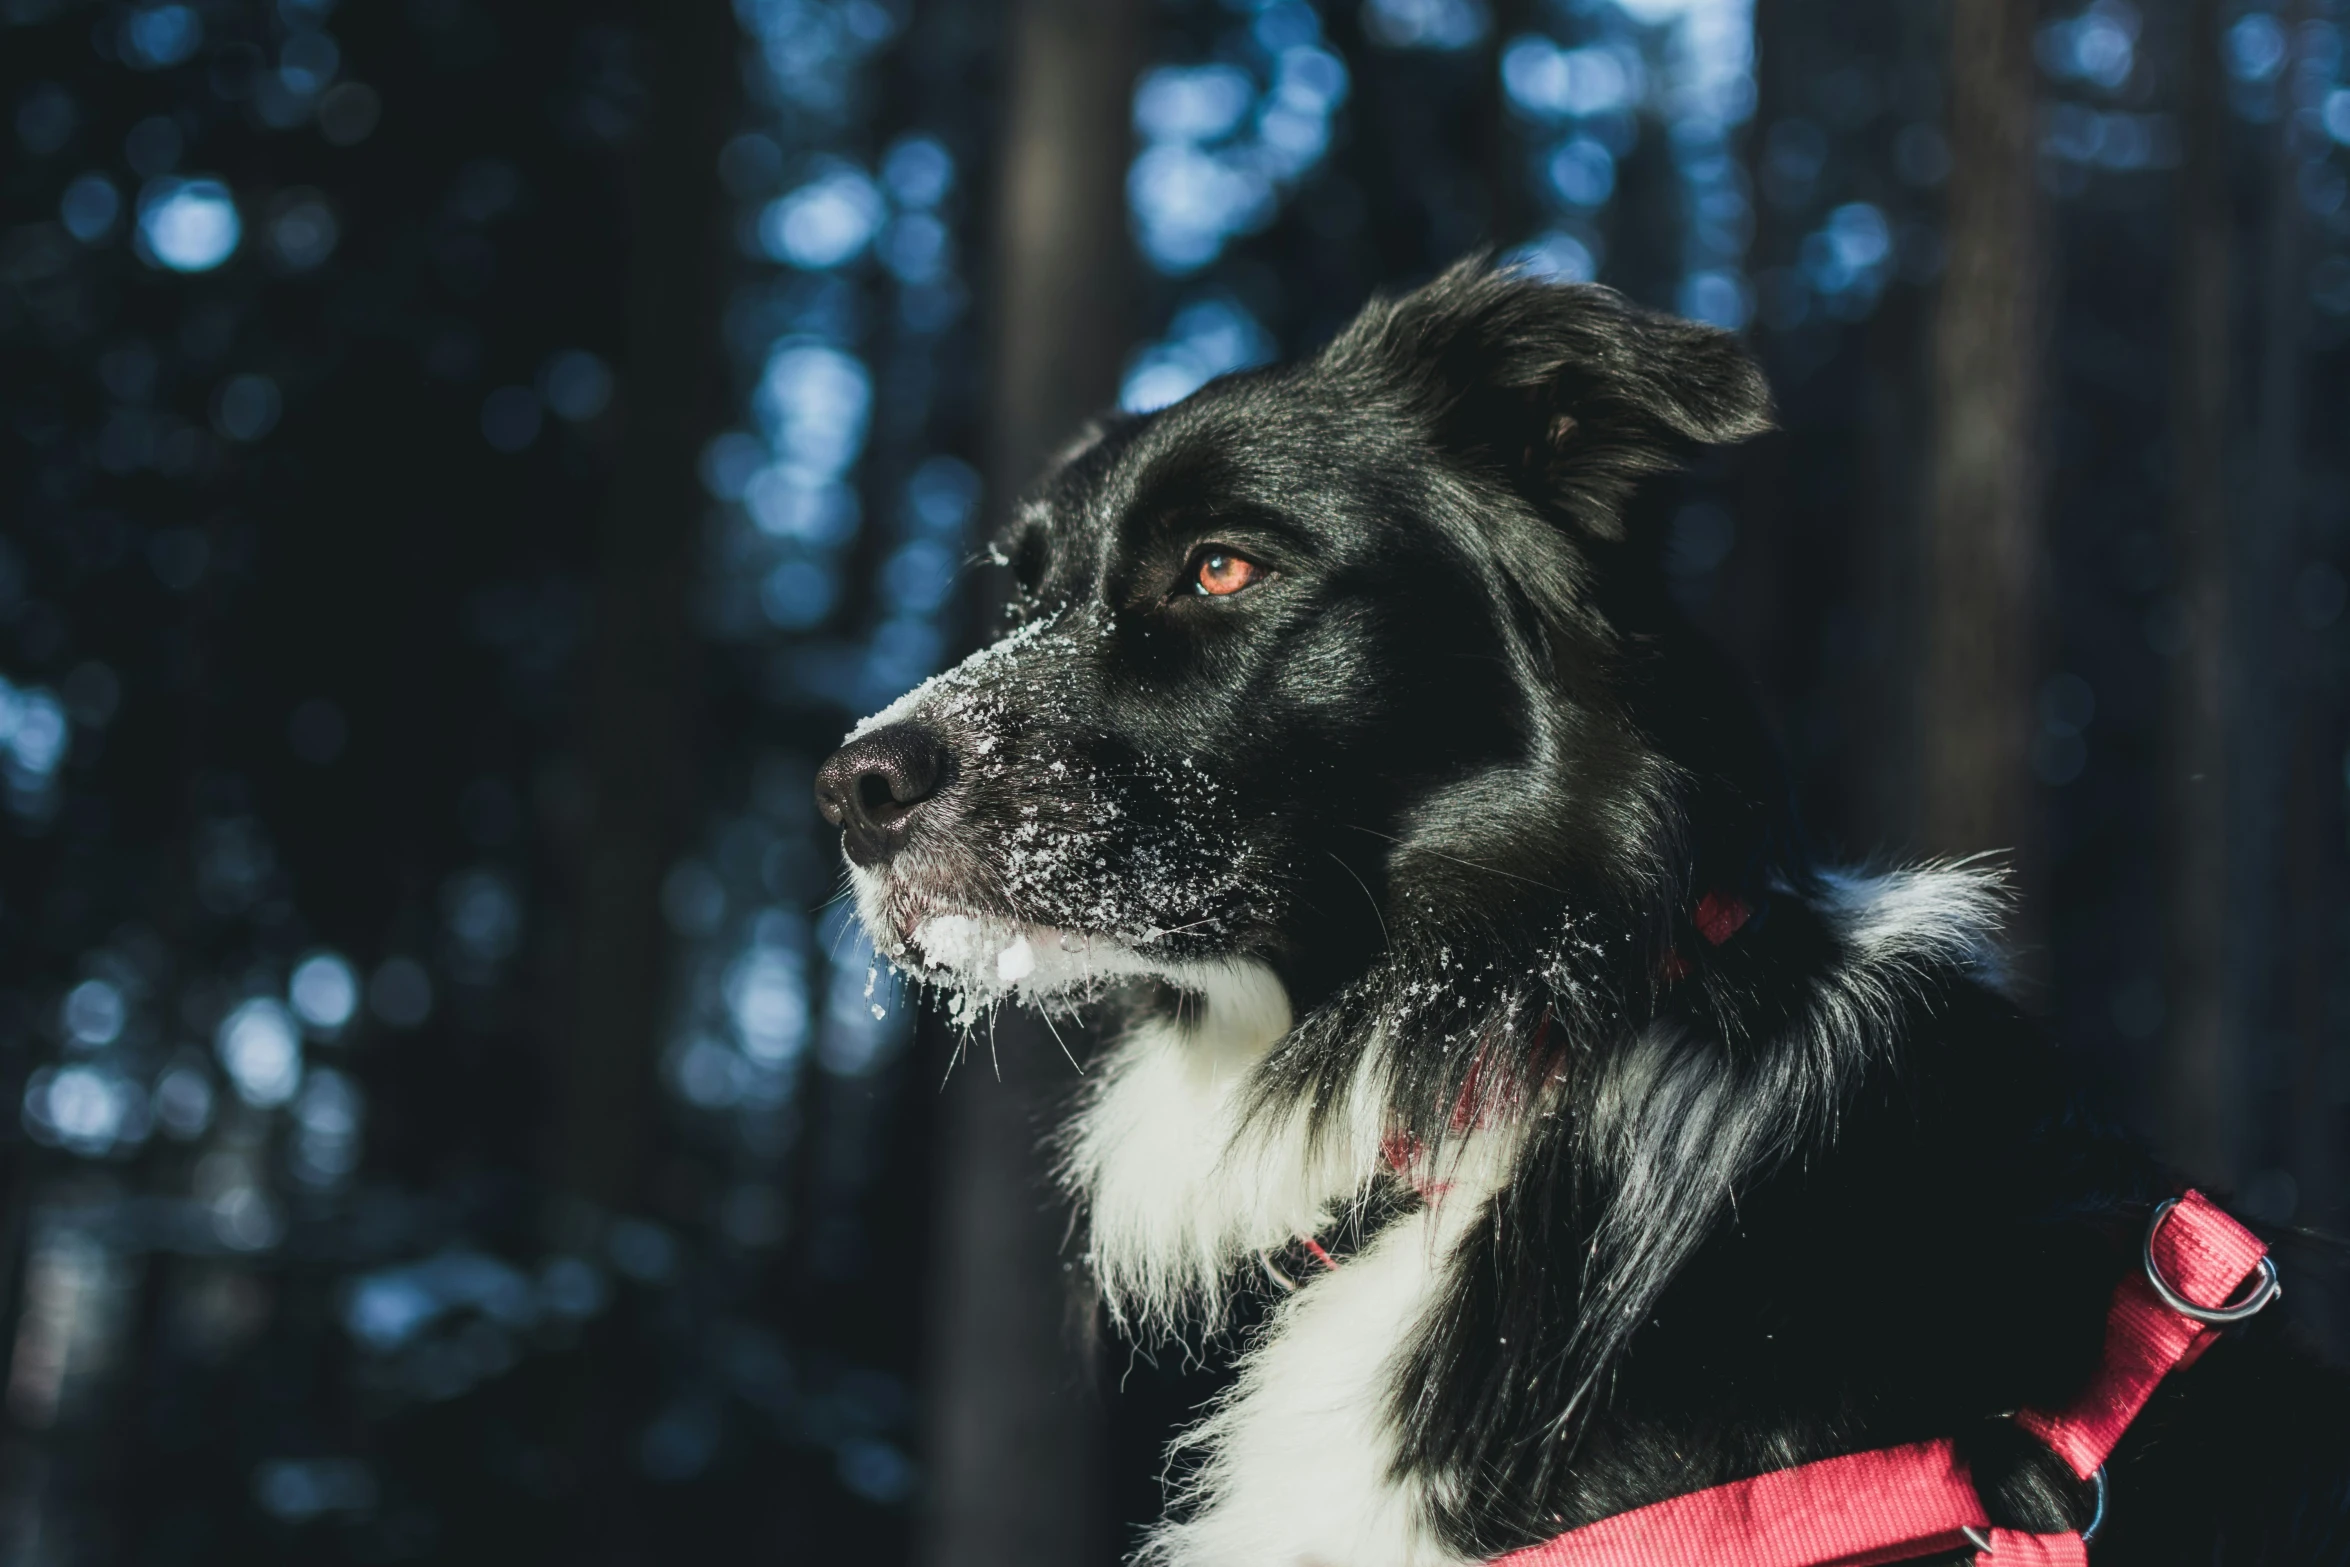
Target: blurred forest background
x: 462, y: 462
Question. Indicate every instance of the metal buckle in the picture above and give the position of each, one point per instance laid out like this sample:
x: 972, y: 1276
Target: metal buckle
x: 2264, y: 1290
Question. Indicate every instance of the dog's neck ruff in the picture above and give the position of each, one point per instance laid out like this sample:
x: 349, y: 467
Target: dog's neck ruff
x: 1898, y: 1503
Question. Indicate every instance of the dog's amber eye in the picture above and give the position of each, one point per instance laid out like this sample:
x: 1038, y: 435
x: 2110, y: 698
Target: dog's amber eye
x: 1220, y: 573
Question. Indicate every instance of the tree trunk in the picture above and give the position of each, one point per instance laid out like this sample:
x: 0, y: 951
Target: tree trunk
x: 641, y: 676
x: 1064, y: 280
x: 1982, y: 548
x: 2312, y: 877
x: 636, y: 730
x: 1016, y: 1428
x: 2286, y: 821
x: 2201, y: 1095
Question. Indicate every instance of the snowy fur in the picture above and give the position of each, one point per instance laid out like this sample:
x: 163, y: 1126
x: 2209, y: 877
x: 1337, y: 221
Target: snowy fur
x: 958, y: 683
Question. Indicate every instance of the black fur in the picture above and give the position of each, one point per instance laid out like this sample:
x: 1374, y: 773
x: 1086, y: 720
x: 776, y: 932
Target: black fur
x: 1459, y: 773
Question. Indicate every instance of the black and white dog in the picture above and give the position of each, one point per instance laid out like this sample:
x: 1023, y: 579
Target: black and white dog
x: 1477, y: 986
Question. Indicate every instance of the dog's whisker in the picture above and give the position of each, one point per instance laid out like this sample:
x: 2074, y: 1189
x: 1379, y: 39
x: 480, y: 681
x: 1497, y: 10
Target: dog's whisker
x: 1384, y: 938
x: 1047, y: 1016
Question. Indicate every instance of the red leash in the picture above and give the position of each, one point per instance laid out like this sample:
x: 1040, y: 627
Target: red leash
x: 1897, y: 1503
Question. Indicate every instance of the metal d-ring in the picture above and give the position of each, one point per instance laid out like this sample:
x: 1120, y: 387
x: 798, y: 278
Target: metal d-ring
x: 2096, y: 1519
x: 1981, y: 1541
x: 2264, y: 1291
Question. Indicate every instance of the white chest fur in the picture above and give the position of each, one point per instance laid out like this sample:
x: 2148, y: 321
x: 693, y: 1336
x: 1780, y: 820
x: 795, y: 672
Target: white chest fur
x: 1295, y: 1466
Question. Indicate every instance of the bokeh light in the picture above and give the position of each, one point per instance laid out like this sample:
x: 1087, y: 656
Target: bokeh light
x: 261, y: 1050
x: 94, y: 1013
x: 576, y: 385
x: 400, y: 992
x: 1209, y: 337
x: 324, y: 991
x: 303, y: 231
x: 158, y: 36
x: 90, y: 207
x: 1222, y: 144
x: 918, y: 171
x: 188, y: 225
x: 247, y: 407
x: 825, y: 223
x: 45, y: 119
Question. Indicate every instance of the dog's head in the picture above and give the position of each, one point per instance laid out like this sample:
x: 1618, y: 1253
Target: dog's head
x: 1359, y: 671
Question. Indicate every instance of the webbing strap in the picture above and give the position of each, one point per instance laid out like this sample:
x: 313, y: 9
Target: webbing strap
x: 1897, y: 1503
x: 1878, y: 1506
x: 2207, y: 1256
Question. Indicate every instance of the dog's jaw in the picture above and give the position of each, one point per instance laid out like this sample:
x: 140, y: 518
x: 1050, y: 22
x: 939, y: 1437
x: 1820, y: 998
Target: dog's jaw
x: 976, y: 961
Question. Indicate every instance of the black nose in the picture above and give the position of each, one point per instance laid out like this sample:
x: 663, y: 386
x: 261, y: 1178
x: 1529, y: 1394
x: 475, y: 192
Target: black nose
x: 870, y: 788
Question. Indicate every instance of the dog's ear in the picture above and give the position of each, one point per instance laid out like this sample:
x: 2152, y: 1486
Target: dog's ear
x: 1570, y: 389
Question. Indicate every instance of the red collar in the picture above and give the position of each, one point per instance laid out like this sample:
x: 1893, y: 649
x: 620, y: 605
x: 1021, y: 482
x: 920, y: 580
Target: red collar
x: 1898, y: 1503
x: 1718, y: 917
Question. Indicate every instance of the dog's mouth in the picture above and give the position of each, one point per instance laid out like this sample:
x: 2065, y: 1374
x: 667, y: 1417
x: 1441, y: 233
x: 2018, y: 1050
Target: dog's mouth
x: 1035, y: 960
x: 962, y: 947
x: 977, y: 958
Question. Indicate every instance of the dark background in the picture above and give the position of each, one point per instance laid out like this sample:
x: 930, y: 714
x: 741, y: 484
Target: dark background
x: 462, y: 462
